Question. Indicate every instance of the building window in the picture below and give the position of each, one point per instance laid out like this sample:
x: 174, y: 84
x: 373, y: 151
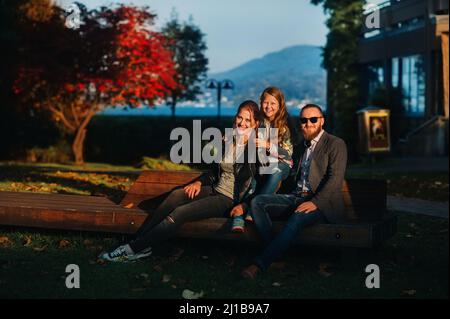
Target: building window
x: 408, y: 79
x: 375, y: 77
x: 413, y: 84
x: 395, y: 72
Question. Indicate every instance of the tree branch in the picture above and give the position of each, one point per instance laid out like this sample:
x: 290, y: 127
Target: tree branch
x: 74, y: 114
x: 63, y: 118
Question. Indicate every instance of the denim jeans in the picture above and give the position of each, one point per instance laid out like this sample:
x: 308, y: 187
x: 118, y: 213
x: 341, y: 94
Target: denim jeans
x: 268, y: 207
x: 270, y: 181
x: 176, y: 210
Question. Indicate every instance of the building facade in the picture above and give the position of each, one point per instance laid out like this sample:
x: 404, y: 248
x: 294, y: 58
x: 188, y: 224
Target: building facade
x: 403, y: 58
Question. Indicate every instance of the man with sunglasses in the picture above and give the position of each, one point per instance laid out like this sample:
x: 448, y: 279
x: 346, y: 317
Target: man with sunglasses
x: 316, y: 197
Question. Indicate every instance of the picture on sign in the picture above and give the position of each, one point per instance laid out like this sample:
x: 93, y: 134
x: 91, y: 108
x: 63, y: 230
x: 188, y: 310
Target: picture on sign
x: 378, y: 132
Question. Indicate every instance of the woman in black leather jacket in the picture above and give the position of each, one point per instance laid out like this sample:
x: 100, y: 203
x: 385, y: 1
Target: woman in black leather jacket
x: 211, y: 195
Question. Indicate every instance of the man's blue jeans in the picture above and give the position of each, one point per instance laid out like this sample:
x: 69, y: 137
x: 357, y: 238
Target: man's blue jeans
x: 265, y: 208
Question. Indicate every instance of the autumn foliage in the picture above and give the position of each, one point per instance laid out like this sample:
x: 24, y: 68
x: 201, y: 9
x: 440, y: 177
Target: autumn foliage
x: 114, y: 58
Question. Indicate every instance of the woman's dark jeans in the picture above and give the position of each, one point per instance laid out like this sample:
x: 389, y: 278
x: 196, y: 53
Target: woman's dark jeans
x: 265, y: 208
x: 176, y: 210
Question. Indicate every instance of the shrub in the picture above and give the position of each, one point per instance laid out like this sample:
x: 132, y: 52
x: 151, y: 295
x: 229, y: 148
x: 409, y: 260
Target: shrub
x: 59, y: 153
x: 161, y: 164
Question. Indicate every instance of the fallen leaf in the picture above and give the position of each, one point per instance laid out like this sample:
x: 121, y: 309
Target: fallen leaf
x: 88, y: 242
x: 231, y: 262
x: 27, y: 241
x: 176, y: 255
x: 100, y: 261
x: 143, y: 275
x: 40, y: 249
x: 63, y: 243
x: 278, y: 265
x: 323, y: 270
x: 130, y: 205
x: 189, y: 294
x: 95, y: 248
x: 166, y: 278
x: 157, y: 268
x: 4, y: 241
x: 410, y: 292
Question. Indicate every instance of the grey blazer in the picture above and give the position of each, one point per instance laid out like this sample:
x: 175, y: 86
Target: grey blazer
x: 326, y: 175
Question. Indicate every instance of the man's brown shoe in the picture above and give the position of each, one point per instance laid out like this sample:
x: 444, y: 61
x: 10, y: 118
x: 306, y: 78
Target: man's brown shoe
x: 251, y: 272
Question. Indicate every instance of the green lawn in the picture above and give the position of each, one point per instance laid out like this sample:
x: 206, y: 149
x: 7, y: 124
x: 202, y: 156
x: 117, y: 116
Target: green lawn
x: 424, y: 185
x: 413, y: 264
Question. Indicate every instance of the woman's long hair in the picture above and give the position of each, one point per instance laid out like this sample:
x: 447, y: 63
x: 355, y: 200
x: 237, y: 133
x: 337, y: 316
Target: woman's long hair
x: 280, y: 121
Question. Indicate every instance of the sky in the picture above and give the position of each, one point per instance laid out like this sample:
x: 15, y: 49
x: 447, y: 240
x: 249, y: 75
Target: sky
x: 240, y: 30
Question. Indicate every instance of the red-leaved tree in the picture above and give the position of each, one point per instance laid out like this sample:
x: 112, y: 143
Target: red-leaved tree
x: 114, y: 58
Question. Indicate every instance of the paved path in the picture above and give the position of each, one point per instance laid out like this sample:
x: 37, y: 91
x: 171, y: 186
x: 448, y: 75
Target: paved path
x: 407, y: 164
x: 418, y: 206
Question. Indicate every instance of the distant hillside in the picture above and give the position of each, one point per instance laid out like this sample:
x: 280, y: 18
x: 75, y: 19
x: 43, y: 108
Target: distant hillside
x: 296, y: 70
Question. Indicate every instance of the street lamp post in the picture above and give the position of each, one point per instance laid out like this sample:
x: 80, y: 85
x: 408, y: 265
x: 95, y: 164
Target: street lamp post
x: 219, y: 85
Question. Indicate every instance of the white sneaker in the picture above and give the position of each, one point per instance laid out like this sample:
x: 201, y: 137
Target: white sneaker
x: 122, y: 254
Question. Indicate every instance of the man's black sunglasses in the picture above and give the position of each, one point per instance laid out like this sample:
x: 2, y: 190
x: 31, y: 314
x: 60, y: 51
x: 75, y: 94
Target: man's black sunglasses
x: 313, y: 119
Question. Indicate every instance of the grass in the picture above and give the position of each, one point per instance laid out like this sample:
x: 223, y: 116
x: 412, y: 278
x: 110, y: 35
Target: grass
x: 413, y: 264
x: 95, y: 179
x: 424, y: 185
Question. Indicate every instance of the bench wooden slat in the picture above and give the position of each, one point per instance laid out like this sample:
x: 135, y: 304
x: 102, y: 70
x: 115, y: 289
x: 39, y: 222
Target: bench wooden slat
x: 348, y: 235
x: 60, y: 197
x: 51, y: 200
x: 364, y: 199
x: 173, y: 177
x: 44, y: 201
x: 115, y: 222
x: 344, y: 235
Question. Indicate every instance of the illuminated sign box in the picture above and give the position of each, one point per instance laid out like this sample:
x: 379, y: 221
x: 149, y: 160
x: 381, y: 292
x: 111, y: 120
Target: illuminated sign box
x: 374, y: 130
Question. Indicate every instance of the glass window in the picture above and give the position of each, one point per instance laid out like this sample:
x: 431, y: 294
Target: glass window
x: 375, y: 77
x: 413, y: 84
x: 395, y: 72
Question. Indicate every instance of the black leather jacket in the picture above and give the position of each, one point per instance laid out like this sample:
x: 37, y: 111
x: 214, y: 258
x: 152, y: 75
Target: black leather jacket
x: 244, y: 174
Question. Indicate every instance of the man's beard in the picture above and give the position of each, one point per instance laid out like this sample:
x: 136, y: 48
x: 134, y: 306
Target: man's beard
x: 312, y: 135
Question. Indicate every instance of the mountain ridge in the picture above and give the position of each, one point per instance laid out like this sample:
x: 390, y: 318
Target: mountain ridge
x: 296, y: 70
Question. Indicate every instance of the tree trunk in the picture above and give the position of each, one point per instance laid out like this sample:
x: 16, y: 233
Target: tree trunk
x: 78, y: 142
x: 78, y: 146
x: 172, y: 106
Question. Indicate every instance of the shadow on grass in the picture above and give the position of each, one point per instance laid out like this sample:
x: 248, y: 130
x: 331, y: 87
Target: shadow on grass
x: 36, y: 174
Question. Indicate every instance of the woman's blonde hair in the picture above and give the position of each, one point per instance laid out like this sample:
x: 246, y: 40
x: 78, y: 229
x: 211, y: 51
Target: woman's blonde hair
x: 280, y: 121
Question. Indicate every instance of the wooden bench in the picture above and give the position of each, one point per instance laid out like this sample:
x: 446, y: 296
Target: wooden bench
x: 369, y: 224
